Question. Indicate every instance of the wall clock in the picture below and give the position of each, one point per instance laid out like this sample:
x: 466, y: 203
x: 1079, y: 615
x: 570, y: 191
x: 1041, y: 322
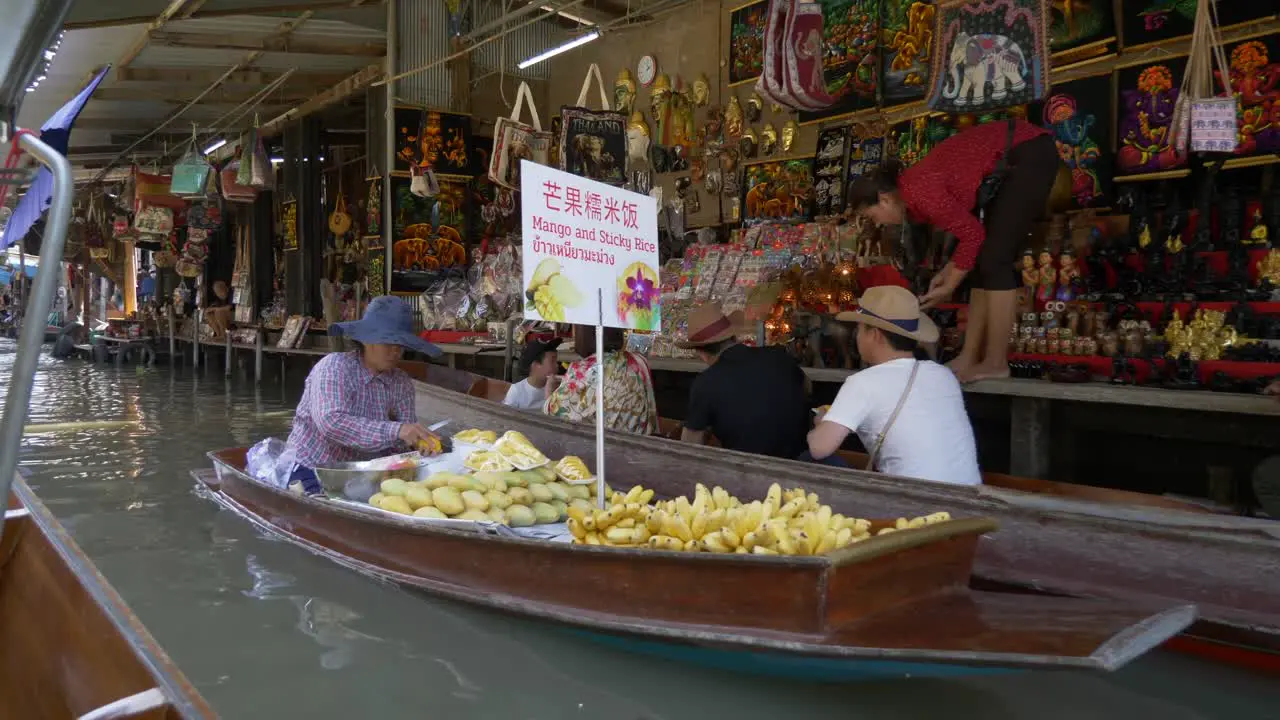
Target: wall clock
x: 646, y: 70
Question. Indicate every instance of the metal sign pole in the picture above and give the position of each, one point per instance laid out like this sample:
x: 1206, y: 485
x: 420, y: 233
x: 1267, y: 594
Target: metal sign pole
x: 600, y: 499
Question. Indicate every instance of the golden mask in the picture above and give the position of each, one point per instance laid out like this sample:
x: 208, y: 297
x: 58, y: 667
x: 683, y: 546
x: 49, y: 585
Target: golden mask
x: 701, y: 91
x: 768, y: 139
x: 754, y: 107
x: 660, y: 97
x: 733, y: 118
x: 789, y: 132
x: 624, y: 92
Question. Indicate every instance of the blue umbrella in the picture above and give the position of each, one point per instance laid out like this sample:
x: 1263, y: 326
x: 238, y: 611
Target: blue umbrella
x: 56, y: 131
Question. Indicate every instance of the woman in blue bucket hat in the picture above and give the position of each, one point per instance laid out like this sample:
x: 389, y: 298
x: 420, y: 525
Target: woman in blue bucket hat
x: 359, y: 405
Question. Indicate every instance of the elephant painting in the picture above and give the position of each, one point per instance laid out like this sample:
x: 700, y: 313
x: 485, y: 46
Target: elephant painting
x: 980, y: 59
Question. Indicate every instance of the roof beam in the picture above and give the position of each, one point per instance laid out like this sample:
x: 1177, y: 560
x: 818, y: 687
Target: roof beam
x: 270, y: 43
x: 336, y: 94
x: 280, y: 9
x: 178, y: 95
x: 182, y: 76
x: 160, y: 21
x: 282, y: 30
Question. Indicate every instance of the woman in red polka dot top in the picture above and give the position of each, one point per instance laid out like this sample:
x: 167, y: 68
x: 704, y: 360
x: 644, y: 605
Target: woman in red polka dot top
x: 942, y: 190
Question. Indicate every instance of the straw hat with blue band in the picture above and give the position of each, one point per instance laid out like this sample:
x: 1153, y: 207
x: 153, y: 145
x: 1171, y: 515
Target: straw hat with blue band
x: 387, y: 321
x: 894, y: 310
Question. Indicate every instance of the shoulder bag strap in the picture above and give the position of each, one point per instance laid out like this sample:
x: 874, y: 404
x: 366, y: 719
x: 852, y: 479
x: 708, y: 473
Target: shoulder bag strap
x: 522, y: 95
x: 875, y: 452
x: 1002, y: 165
x: 593, y: 71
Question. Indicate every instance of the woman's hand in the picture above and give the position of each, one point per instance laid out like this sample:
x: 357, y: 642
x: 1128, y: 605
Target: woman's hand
x: 943, y: 286
x: 412, y: 434
x: 553, y: 382
x: 1273, y: 389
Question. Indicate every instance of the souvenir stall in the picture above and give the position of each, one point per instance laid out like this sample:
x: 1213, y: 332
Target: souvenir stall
x: 1154, y: 266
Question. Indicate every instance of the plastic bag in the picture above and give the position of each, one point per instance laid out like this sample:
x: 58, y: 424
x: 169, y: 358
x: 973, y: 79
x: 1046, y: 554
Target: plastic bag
x: 270, y: 462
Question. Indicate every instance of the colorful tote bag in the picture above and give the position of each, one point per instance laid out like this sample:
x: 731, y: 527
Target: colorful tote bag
x: 593, y: 143
x: 989, y: 54
x: 513, y: 141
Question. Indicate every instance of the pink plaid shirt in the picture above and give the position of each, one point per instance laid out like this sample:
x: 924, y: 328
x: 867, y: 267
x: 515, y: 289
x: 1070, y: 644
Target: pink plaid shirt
x: 347, y: 413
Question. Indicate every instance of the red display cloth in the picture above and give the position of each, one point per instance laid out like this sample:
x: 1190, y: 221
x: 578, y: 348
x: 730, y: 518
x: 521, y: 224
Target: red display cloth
x: 1099, y: 365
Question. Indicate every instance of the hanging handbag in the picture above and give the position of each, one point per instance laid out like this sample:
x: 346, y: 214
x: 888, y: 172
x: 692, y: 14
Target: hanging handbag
x: 153, y: 189
x: 339, y: 220
x: 191, y: 172
x: 206, y: 215
x: 593, y: 143
x: 1203, y: 122
x: 154, y: 219
x: 263, y: 175
x: 244, y: 173
x: 232, y: 190
x: 514, y: 141
x: 423, y: 182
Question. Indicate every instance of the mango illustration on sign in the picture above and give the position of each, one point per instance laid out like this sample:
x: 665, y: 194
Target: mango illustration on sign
x: 638, y: 296
x: 550, y: 292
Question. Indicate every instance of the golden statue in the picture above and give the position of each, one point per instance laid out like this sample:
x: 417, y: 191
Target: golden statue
x: 768, y: 139
x: 1258, y: 235
x: 1269, y: 268
x: 701, y: 91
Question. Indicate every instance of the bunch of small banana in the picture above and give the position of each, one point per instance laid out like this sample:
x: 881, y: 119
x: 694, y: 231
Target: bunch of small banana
x: 625, y: 523
x: 790, y: 522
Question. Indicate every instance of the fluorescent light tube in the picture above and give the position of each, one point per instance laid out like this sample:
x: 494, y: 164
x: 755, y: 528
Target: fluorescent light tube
x: 576, y: 42
x: 215, y: 146
x: 567, y: 15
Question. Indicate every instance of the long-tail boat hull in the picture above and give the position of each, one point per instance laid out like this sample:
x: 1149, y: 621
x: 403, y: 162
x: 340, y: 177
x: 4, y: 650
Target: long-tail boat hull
x: 1228, y: 566
x: 71, y: 647
x: 889, y: 606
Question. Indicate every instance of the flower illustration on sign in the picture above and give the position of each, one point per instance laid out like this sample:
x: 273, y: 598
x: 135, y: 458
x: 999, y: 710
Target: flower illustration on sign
x: 638, y: 296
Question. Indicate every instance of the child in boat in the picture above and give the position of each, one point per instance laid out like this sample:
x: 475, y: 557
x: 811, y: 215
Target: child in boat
x: 908, y: 413
x: 538, y: 363
x: 359, y: 405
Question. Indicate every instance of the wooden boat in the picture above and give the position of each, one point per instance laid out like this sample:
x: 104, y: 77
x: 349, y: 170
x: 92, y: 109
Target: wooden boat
x: 72, y: 648
x: 893, y: 605
x: 1082, y: 543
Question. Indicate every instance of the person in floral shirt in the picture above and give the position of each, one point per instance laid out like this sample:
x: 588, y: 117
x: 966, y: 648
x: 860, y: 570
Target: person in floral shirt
x: 629, y: 403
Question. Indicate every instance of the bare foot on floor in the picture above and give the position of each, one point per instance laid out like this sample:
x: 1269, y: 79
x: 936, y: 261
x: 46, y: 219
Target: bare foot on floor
x: 960, y: 367
x: 984, y: 371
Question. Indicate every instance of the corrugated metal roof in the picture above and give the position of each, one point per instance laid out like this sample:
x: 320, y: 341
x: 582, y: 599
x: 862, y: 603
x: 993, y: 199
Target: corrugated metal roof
x: 422, y: 35
x: 516, y: 46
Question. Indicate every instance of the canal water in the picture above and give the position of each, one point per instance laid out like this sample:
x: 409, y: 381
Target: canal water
x: 264, y: 629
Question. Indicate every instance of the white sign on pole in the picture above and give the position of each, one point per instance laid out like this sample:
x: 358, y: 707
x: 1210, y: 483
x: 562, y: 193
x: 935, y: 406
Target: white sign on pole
x: 580, y: 237
x: 589, y: 244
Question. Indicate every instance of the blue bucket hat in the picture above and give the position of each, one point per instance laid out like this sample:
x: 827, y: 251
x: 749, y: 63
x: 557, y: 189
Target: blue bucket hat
x: 387, y: 321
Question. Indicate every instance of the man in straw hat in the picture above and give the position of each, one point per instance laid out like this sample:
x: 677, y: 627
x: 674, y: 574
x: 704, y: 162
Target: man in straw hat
x: 360, y: 405
x: 908, y: 413
x: 752, y: 398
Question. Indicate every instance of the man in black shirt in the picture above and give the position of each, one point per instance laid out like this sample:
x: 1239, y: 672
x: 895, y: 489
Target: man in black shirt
x: 753, y: 399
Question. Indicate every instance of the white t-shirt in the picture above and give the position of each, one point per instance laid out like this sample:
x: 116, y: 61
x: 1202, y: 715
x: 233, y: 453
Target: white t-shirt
x: 524, y: 396
x: 931, y: 439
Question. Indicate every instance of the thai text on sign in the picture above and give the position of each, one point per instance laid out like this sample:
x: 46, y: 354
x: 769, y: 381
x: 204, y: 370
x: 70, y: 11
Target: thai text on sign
x: 581, y: 236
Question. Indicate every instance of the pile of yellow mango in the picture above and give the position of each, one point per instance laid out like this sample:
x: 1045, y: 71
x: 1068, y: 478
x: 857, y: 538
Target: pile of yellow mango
x: 786, y: 522
x: 517, y: 498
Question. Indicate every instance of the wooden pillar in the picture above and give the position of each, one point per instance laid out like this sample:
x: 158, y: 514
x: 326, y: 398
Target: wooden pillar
x: 226, y: 366
x: 130, y: 279
x: 257, y: 356
x: 1029, y: 437
x: 173, y: 340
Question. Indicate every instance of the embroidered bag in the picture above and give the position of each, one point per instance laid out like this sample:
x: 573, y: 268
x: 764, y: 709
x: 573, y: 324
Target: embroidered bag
x: 373, y: 207
x: 205, y: 216
x: 154, y: 219
x: 989, y: 55
x: 514, y: 141
x: 593, y: 143
x: 232, y: 190
x: 1202, y: 121
x: 153, y: 189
